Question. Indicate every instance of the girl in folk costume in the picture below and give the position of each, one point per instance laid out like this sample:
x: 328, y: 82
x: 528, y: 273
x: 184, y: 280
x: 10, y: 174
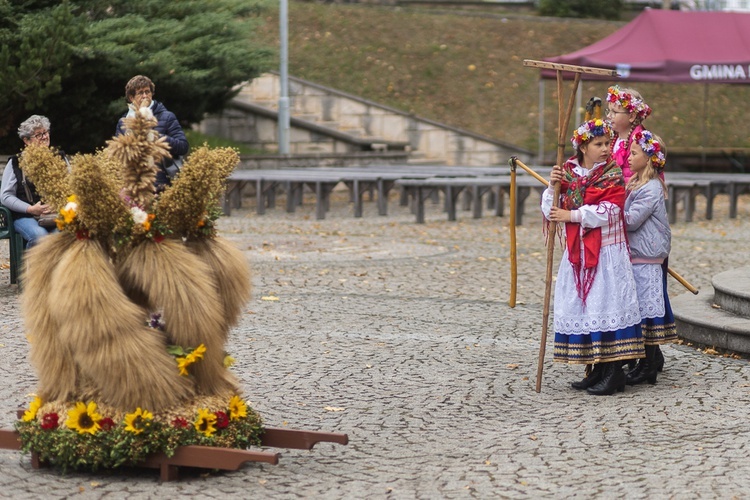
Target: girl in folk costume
x: 596, y: 315
x: 625, y: 114
x: 650, y: 242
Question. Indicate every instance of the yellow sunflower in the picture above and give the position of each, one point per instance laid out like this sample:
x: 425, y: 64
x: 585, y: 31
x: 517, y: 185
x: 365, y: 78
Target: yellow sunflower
x: 197, y: 353
x: 137, y: 421
x: 182, y: 364
x: 83, y: 418
x: 34, y: 406
x: 237, y: 408
x: 205, y: 423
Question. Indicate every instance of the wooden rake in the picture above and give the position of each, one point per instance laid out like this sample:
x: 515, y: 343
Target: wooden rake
x: 562, y: 132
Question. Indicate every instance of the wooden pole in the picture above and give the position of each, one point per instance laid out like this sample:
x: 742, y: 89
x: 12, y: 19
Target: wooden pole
x: 673, y: 273
x: 682, y: 281
x: 564, y: 119
x: 513, y: 258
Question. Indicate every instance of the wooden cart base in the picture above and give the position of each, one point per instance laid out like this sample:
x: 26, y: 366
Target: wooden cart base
x: 209, y: 457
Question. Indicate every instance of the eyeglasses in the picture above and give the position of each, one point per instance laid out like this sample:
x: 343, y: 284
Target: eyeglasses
x: 143, y: 92
x: 611, y: 112
x: 41, y: 135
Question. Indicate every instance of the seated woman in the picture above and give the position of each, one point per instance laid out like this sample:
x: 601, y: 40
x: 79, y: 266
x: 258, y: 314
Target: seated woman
x: 18, y: 192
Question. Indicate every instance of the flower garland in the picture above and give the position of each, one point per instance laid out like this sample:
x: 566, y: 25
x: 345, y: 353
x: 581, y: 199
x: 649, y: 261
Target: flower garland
x: 86, y: 440
x: 588, y: 130
x: 628, y: 101
x: 652, y: 148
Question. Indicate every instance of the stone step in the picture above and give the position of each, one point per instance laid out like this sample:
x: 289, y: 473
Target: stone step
x: 732, y: 291
x: 698, y: 320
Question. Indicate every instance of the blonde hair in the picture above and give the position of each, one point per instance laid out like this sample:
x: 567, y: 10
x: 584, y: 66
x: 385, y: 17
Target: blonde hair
x: 640, y: 179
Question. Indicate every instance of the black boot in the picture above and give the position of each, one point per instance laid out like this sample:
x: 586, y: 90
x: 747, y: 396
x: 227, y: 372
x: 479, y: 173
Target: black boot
x: 613, y: 380
x: 659, y: 359
x: 592, y: 378
x: 646, y: 369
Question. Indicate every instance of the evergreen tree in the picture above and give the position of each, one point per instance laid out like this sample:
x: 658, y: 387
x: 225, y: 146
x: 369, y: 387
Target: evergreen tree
x: 70, y: 61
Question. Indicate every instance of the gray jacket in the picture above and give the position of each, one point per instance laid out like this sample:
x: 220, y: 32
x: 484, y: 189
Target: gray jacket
x: 647, y: 224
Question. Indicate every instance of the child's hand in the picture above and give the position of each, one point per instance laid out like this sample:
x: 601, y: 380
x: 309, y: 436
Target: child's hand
x: 556, y: 175
x: 558, y: 214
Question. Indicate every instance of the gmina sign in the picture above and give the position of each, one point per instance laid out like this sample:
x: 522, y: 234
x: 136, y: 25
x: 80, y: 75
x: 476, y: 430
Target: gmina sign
x: 719, y: 72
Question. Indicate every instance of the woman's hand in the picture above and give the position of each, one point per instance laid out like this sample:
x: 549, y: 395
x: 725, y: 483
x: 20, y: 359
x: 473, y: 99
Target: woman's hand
x: 558, y: 214
x: 556, y: 175
x: 38, y: 209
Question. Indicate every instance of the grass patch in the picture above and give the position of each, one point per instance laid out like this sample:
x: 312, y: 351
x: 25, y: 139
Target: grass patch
x: 466, y: 70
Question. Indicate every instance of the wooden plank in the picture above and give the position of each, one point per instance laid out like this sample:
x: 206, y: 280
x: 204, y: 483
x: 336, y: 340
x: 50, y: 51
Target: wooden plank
x: 570, y: 67
x: 9, y: 439
x: 275, y: 437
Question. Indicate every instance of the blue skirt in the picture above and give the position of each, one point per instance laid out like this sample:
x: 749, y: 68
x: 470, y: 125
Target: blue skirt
x: 600, y: 347
x: 660, y: 330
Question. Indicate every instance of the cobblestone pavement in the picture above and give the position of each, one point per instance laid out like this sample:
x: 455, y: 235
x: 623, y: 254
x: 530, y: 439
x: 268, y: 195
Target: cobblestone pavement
x: 401, y: 336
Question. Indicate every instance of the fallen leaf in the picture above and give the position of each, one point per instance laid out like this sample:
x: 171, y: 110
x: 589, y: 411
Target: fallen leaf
x: 270, y: 298
x: 604, y: 429
x: 512, y: 366
x: 487, y: 462
x: 333, y: 408
x: 533, y: 437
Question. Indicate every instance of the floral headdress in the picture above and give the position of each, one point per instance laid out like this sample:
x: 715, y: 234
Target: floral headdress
x: 588, y: 130
x: 652, y: 147
x: 628, y: 101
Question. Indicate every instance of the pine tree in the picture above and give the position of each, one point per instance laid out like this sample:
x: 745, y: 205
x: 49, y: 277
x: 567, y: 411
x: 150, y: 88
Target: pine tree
x: 70, y: 61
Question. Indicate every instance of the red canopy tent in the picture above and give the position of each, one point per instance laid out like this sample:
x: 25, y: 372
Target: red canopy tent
x: 671, y: 46
x: 667, y: 46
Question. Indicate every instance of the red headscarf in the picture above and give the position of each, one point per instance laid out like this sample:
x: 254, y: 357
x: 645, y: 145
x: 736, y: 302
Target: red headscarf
x: 603, y: 183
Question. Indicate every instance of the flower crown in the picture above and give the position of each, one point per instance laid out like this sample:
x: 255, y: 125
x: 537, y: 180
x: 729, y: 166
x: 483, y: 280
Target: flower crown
x: 652, y: 147
x: 628, y: 101
x: 588, y: 130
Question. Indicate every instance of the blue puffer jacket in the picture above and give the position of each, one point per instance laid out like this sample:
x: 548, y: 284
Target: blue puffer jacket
x: 168, y: 126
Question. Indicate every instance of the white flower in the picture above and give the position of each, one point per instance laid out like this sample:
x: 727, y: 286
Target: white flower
x: 71, y: 206
x: 139, y: 216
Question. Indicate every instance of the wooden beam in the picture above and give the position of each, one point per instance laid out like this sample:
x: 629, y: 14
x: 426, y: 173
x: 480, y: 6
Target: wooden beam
x: 570, y: 68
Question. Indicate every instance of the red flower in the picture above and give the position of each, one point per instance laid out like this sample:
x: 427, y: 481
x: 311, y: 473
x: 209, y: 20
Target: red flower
x: 180, y: 422
x: 107, y: 424
x: 222, y: 420
x: 49, y: 421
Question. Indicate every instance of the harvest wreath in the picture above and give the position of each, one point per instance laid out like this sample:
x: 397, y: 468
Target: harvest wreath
x: 128, y: 309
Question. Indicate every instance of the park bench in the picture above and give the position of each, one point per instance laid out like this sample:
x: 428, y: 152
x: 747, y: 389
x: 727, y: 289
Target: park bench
x: 359, y: 180
x: 687, y: 186
x: 419, y: 190
x: 15, y: 242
